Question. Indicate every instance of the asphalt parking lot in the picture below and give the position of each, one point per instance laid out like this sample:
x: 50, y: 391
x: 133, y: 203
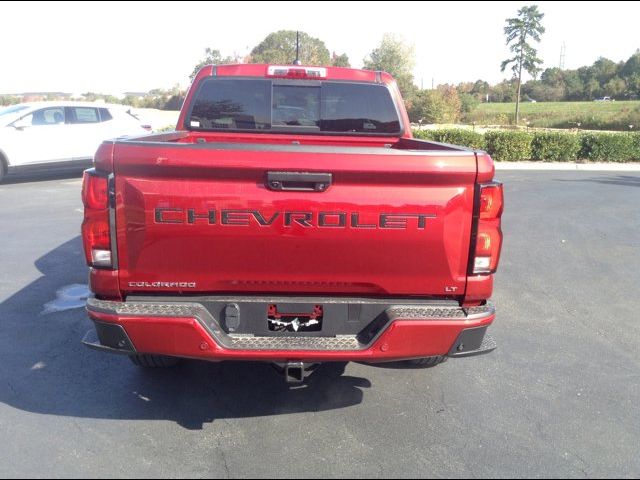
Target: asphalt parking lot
x: 559, y: 398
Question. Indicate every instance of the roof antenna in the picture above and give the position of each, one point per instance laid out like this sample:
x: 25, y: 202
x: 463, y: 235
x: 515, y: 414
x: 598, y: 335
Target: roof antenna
x: 297, y: 60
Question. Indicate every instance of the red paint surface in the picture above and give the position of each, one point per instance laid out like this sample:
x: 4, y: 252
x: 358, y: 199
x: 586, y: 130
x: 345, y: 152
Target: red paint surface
x: 279, y: 258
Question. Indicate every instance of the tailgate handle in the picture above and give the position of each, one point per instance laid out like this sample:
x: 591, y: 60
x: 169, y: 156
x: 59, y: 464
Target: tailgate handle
x: 298, y: 181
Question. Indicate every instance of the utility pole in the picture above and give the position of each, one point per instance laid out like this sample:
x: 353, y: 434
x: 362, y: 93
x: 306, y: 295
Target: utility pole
x: 563, y: 53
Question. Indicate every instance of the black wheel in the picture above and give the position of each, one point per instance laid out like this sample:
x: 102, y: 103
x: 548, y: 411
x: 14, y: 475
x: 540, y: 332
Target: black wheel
x: 426, y: 362
x: 154, y: 361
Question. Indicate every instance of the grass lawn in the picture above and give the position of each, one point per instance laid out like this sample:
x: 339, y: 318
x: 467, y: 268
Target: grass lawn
x: 590, y: 115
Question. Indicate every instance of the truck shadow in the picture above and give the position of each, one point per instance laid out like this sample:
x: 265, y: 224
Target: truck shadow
x: 43, y: 175
x: 44, y: 368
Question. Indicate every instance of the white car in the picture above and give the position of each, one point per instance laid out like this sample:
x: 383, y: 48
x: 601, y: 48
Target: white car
x: 56, y: 134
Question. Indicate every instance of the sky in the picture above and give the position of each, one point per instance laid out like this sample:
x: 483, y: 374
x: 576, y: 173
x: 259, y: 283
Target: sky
x: 113, y: 47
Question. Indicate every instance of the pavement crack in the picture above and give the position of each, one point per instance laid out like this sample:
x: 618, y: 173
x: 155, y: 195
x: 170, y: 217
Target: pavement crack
x: 11, y: 389
x: 584, y: 466
x: 224, y: 458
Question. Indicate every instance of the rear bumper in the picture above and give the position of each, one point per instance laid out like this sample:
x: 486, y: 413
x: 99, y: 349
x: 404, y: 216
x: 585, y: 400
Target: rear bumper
x: 188, y: 329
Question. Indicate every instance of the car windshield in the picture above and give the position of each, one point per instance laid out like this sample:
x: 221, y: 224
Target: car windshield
x: 300, y: 106
x: 12, y: 109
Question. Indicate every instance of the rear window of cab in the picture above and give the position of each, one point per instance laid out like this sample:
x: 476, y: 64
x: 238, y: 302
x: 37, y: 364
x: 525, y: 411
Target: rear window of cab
x: 314, y: 107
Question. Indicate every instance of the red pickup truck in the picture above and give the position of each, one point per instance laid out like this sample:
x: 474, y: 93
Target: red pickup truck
x: 291, y: 218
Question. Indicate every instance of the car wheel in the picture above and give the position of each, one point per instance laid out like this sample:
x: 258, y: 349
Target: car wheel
x: 426, y: 362
x: 154, y: 361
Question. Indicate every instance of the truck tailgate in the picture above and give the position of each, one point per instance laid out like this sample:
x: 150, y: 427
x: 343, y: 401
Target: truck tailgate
x: 202, y: 218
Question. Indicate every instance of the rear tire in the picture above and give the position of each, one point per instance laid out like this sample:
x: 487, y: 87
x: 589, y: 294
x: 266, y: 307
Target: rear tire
x: 426, y: 362
x: 154, y: 361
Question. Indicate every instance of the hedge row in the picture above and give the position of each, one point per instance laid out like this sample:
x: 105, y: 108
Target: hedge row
x: 504, y: 145
x: 455, y: 136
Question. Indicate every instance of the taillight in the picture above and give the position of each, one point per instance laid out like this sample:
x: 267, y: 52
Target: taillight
x: 488, y: 242
x: 94, y: 191
x: 490, y: 201
x: 96, y: 232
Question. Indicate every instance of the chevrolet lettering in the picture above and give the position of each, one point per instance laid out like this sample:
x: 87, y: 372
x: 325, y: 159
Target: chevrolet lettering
x: 289, y: 219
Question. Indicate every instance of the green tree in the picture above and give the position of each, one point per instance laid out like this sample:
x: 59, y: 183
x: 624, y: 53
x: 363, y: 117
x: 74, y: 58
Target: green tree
x: 464, y: 87
x: 133, y: 101
x: 630, y: 71
x: 553, y: 77
x: 550, y: 88
x: 592, y: 89
x: 481, y: 89
x: 212, y: 57
x: 396, y: 58
x: 604, y: 70
x: 280, y: 48
x: 441, y: 105
x: 633, y: 85
x: 527, y: 25
x: 174, y: 102
x: 503, y: 92
x: 574, y: 87
x: 631, y: 66
x: 8, y: 100
x: 616, y: 87
x: 468, y: 102
x: 340, y: 60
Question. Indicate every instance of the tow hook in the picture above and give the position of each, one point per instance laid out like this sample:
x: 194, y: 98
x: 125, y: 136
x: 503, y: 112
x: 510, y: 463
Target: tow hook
x: 295, y: 372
